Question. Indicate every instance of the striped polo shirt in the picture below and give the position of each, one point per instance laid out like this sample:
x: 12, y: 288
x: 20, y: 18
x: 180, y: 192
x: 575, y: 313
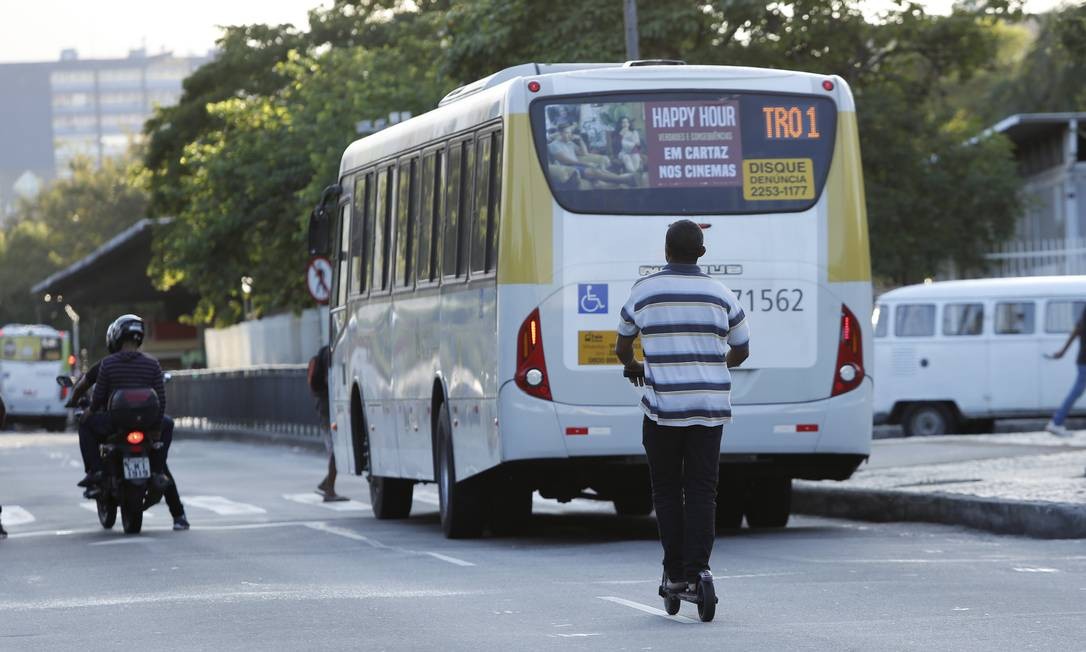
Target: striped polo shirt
x: 687, y: 321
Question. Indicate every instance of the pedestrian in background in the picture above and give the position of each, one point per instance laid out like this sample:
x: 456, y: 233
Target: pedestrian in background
x: 317, y: 375
x: 1055, y: 426
x: 692, y: 331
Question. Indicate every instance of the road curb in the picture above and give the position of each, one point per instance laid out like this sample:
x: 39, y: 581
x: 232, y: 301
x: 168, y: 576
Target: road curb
x: 1041, y: 520
x: 258, y: 437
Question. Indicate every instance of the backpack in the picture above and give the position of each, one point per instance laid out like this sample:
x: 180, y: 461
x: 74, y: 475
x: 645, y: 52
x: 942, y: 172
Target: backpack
x: 317, y: 372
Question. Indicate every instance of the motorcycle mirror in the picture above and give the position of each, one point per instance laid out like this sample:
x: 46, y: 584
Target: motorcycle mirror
x: 65, y: 381
x: 166, y: 377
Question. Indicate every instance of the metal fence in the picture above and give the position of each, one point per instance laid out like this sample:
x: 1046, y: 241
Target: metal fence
x: 266, y: 403
x: 1040, y: 258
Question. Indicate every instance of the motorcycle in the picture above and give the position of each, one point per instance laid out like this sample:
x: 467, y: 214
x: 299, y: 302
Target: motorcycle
x: 126, y: 463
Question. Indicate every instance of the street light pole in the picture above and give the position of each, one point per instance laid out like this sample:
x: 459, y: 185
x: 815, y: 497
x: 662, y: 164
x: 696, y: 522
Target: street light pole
x: 74, y: 316
x: 629, y: 12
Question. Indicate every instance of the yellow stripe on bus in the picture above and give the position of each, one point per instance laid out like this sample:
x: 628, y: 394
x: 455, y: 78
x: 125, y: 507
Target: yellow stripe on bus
x: 525, y: 246
x: 849, y: 256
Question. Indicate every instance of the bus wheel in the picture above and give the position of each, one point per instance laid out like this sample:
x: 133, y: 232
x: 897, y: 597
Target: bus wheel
x: 769, y: 503
x: 460, y: 502
x: 731, y: 494
x: 927, y: 420
x: 391, y: 497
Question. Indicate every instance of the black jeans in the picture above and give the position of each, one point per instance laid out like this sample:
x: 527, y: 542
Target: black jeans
x: 684, y: 462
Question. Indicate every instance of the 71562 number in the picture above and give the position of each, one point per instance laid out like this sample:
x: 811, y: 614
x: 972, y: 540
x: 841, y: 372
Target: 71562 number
x: 767, y: 300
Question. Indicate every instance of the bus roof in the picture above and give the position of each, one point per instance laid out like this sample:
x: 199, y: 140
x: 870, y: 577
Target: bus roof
x: 988, y: 288
x: 485, y: 99
x: 40, y: 330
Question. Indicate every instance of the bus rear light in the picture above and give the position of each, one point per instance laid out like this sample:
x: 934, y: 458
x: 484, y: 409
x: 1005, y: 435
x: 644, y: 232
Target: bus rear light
x: 534, y: 86
x: 827, y: 84
x: 848, y: 373
x: 531, y: 375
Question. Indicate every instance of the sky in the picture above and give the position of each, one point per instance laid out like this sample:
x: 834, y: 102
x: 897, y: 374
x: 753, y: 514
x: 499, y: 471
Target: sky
x: 37, y: 30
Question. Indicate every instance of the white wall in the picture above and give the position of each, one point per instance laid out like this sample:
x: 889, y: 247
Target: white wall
x: 280, y: 339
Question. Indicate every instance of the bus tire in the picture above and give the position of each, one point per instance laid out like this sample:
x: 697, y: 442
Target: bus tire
x: 769, y: 503
x: 391, y: 497
x: 731, y: 495
x: 460, y: 502
x: 928, y: 420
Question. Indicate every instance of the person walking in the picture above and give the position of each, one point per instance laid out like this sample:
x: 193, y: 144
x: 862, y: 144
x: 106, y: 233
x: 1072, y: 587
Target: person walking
x: 317, y: 375
x: 1055, y: 426
x: 693, y: 331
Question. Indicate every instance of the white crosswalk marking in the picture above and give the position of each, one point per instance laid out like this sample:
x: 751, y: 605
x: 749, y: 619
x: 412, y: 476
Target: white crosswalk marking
x: 223, y: 506
x: 314, y: 499
x: 15, y: 515
x: 93, y: 507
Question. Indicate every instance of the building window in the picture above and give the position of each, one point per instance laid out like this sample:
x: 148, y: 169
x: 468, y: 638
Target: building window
x: 120, y: 75
x: 71, y: 77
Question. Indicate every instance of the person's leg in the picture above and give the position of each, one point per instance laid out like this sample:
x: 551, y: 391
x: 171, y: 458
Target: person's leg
x: 172, y: 495
x: 663, y: 447
x: 701, y: 466
x: 93, y: 427
x: 1069, y: 402
x: 3, y: 535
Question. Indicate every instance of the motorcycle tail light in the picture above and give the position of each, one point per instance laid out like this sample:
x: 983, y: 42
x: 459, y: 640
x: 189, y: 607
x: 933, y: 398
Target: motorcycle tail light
x: 135, y: 437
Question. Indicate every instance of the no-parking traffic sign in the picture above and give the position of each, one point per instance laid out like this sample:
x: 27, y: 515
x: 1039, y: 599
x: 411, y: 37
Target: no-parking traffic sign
x: 318, y: 279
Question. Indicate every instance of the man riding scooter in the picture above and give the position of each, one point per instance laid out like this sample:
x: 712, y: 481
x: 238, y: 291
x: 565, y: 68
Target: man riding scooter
x: 125, y: 368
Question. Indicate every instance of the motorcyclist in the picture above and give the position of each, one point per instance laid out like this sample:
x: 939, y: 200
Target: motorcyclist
x: 125, y: 368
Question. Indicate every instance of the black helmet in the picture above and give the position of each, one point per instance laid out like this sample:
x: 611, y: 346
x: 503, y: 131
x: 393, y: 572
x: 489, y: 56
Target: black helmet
x: 125, y: 327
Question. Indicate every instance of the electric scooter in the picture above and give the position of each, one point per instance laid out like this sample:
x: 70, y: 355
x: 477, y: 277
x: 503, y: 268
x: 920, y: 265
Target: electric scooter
x: 703, y: 594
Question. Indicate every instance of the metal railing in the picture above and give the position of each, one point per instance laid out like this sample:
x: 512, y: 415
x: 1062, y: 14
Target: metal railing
x: 266, y: 403
x: 1056, y: 256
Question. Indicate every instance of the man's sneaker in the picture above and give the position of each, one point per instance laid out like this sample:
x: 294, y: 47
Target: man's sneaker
x: 674, y: 585
x: 3, y: 534
x: 1058, y: 430
x: 180, y: 523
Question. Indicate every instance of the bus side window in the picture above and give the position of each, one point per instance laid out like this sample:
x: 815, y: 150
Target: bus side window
x: 914, y: 320
x: 482, y: 205
x: 381, y: 230
x: 359, y: 228
x: 452, y: 208
x: 467, y: 176
x: 495, y: 203
x: 405, y: 222
x: 424, y: 255
x: 1014, y: 318
x: 339, y: 288
x: 963, y: 319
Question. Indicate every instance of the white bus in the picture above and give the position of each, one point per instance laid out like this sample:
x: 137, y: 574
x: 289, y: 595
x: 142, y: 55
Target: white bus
x: 31, y: 358
x: 956, y: 355
x: 483, y: 251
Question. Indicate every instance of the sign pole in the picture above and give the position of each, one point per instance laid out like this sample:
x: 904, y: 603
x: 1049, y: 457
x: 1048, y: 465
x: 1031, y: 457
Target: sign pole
x: 629, y: 11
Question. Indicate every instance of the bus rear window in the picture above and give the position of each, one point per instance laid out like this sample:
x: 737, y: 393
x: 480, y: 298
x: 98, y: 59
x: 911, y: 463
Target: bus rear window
x: 685, y: 153
x: 30, y: 348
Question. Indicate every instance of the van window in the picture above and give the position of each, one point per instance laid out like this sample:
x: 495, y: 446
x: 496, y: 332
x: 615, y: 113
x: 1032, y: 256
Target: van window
x: 881, y: 319
x: 1014, y: 318
x: 963, y: 318
x: 1061, y: 316
x: 914, y: 320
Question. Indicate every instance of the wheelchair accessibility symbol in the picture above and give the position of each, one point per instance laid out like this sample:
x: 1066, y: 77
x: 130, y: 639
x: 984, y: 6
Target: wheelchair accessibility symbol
x: 592, y: 299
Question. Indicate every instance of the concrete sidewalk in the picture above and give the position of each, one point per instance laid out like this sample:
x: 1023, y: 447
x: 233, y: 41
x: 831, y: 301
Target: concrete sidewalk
x: 1016, y: 483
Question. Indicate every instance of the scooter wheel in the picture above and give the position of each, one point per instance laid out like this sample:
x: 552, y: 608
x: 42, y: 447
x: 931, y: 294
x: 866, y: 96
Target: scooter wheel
x: 671, y: 604
x: 706, y: 601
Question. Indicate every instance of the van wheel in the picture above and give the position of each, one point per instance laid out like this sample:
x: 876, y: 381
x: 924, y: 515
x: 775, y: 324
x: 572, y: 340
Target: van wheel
x: 391, y: 497
x: 731, y: 495
x: 928, y: 420
x: 769, y: 503
x: 461, y: 503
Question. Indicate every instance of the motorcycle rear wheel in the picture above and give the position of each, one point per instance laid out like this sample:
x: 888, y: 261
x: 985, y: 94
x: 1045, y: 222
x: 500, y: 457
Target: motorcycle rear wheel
x: 132, y: 509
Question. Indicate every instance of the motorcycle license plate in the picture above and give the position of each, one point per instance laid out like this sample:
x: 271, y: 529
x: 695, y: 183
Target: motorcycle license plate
x: 137, y: 468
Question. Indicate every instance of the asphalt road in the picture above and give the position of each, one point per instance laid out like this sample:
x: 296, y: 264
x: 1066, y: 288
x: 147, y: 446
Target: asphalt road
x: 265, y: 568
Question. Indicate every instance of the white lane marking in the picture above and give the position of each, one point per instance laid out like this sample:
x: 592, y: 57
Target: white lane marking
x: 314, y: 499
x: 223, y: 506
x: 166, y: 528
x: 1032, y: 569
x: 451, y: 560
x: 646, y: 608
x: 226, y: 595
x: 15, y: 515
x: 573, y: 635
x: 93, y: 507
x: 350, y: 534
x: 118, y: 542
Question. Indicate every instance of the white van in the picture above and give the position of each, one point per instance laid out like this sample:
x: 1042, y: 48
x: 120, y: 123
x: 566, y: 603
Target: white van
x: 953, y: 356
x: 31, y: 358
